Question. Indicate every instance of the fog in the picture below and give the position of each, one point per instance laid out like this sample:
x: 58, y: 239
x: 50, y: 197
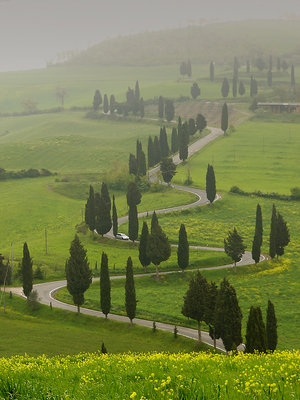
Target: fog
x: 33, y: 32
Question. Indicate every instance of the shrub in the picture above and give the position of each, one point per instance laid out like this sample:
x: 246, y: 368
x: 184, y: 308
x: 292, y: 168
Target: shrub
x: 33, y: 301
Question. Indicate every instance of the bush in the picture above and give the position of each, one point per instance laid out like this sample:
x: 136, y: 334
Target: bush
x: 295, y: 193
x: 33, y: 301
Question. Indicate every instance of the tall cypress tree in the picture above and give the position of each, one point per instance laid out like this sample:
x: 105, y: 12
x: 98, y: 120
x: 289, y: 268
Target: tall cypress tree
x: 105, y: 104
x: 183, y: 249
x: 211, y: 71
x: 234, y: 86
x: 282, y: 235
x: 151, y: 157
x: 112, y: 104
x: 103, y: 219
x: 142, y: 168
x: 293, y: 83
x: 192, y: 126
x: 163, y: 141
x: 97, y: 100
x: 142, y: 108
x: 210, y: 317
x: 114, y: 218
x: 78, y: 273
x: 225, y: 87
x: 242, y: 89
x: 105, y: 299
x: 174, y: 141
x: 228, y: 316
x: 161, y: 106
x: 183, y: 143
x: 156, y: 147
x: 248, y: 67
x: 137, y: 91
x: 133, y: 194
x: 271, y: 327
x: 143, y: 256
x: 105, y: 195
x: 158, y: 246
x: 169, y: 110
x: 133, y: 167
x: 273, y: 233
x: 258, y: 235
x: 167, y: 169
x: 224, y: 118
x: 130, y: 296
x: 27, y: 274
x: 133, y: 223
x: 90, y: 210
x: 256, y: 332
x: 210, y: 184
x: 269, y: 78
x: 234, y: 246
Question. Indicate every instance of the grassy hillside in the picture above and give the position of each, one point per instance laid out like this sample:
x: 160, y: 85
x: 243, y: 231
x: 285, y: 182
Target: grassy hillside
x: 152, y: 376
x: 199, y: 43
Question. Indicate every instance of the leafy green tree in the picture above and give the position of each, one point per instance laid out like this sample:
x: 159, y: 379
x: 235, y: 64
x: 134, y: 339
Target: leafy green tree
x: 143, y: 256
x: 256, y: 332
x: 130, y: 296
x: 114, y: 218
x: 78, y: 273
x: 271, y: 327
x: 161, y: 106
x: 103, y: 222
x: 158, y: 246
x: 269, y: 78
x: 97, y: 100
x: 169, y: 110
x: 273, y: 233
x: 225, y: 87
x: 133, y: 167
x: 90, y: 210
x: 151, y: 158
x: 234, y: 246
x: 293, y: 83
x: 210, y: 184
x: 167, y: 169
x: 242, y: 89
x: 228, y: 316
x: 163, y: 142
x: 282, y: 235
x: 195, y: 300
x: 212, y: 71
x: 195, y: 90
x: 27, y: 274
x: 174, y: 141
x: 142, y: 108
x: 200, y: 122
x: 183, y: 249
x: 105, y: 104
x: 224, y: 118
x: 105, y: 298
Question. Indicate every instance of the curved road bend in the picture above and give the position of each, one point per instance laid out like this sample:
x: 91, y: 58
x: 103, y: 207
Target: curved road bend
x: 47, y: 290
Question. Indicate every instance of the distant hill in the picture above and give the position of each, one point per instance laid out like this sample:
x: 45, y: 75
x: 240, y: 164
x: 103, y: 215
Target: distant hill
x: 218, y: 42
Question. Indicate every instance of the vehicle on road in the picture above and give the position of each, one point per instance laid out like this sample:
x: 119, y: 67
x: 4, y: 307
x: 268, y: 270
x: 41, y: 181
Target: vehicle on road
x: 122, y: 236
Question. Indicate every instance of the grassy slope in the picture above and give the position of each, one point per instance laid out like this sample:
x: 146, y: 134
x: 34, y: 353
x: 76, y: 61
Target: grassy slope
x: 61, y: 332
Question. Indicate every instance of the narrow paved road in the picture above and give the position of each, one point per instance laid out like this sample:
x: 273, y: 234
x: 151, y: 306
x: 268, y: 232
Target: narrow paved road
x: 47, y: 290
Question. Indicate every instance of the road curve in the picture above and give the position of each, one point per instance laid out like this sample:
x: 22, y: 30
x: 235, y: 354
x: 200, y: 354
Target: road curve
x: 46, y: 291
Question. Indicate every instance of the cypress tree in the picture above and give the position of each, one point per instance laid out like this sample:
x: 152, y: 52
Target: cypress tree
x: 27, y: 274
x: 142, y: 108
x: 183, y: 249
x: 210, y: 184
x: 282, y: 235
x: 278, y: 66
x: 211, y: 71
x: 224, y: 118
x: 195, y: 300
x: 228, y: 316
x: 189, y: 68
x: 253, y: 87
x: 133, y: 167
x: 271, y: 327
x: 163, y: 141
x: 142, y: 169
x: 248, y: 67
x: 97, y: 100
x: 158, y: 246
x: 293, y: 77
x: 183, y: 143
x: 255, y: 249
x: 234, y: 246
x: 225, y: 87
x: 112, y: 104
x: 78, y: 273
x: 192, y: 126
x: 130, y: 296
x: 235, y: 67
x: 210, y: 317
x: 174, y: 141
x: 273, y: 233
x: 105, y: 195
x: 114, y: 218
x: 133, y: 195
x: 137, y: 91
x: 156, y: 147
x: 284, y: 65
x: 161, y: 106
x: 167, y: 169
x: 133, y: 223
x: 105, y: 299
x: 105, y: 104
x: 151, y: 158
x: 200, y: 122
x: 270, y: 63
x: 256, y: 332
x: 103, y: 219
x: 195, y: 90
x: 169, y: 110
x: 103, y: 348
x: 242, y: 89
x: 90, y: 210
x: 143, y: 256
x: 269, y: 78
x: 258, y: 235
x: 234, y: 86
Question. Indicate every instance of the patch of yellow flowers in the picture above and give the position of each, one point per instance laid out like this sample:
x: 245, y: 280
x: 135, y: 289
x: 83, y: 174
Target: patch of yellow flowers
x: 155, y: 376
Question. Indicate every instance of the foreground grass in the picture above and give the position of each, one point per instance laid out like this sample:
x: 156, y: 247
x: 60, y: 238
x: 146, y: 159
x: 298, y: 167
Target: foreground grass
x: 152, y: 376
x: 55, y: 331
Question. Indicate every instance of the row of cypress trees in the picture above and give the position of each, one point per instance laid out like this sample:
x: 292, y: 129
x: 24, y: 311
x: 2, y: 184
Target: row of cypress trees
x: 137, y: 163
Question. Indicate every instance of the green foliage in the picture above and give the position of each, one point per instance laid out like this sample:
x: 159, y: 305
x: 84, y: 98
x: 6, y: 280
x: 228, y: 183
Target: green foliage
x: 90, y: 211
x: 105, y: 195
x: 234, y: 246
x: 258, y: 235
x: 27, y: 274
x: 33, y: 300
x: 5, y: 272
x: 242, y: 89
x: 167, y: 169
x: 183, y: 249
x: 271, y: 327
x: 211, y: 190
x: 103, y: 221
x: 133, y: 195
x: 78, y: 273
x: 130, y: 296
x: 183, y: 140
x: 105, y: 300
x: 163, y: 142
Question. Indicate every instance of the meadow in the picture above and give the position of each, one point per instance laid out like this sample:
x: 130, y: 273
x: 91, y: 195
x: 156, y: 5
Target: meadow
x: 152, y: 376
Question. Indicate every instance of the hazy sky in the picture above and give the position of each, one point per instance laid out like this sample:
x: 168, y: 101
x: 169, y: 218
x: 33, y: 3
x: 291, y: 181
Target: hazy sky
x: 34, y: 31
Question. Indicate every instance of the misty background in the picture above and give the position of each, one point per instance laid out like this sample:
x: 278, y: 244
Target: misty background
x: 33, y: 32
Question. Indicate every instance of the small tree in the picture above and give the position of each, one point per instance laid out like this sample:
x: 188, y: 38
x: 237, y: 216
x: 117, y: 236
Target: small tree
x: 105, y: 300
x: 103, y: 348
x: 271, y: 327
x: 269, y: 78
x: 143, y: 256
x: 61, y: 93
x: 195, y: 300
x: 97, y: 100
x: 224, y: 118
x: 200, y: 122
x: 225, y: 87
x: 234, y: 246
x: 169, y: 110
x: 256, y: 332
x: 27, y: 274
x: 195, y: 90
x: 78, y: 273
x: 183, y: 249
x: 130, y: 296
x: 192, y: 126
x: 167, y: 169
x: 210, y: 184
x: 114, y: 218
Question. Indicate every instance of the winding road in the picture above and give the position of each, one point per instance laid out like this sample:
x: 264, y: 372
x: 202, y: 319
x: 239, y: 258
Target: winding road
x: 46, y: 291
